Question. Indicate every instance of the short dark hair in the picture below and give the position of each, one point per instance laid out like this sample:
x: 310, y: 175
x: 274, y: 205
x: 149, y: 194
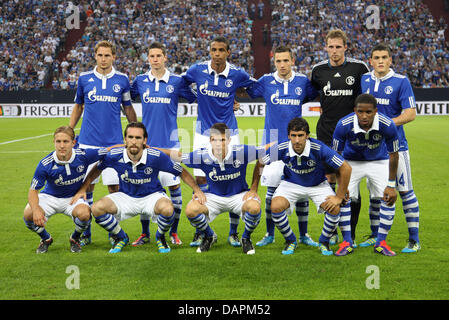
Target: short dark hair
x: 281, y: 49
x: 298, y: 124
x: 366, y: 98
x: 381, y: 47
x: 158, y: 45
x: 220, y: 128
x: 136, y: 125
x: 221, y: 39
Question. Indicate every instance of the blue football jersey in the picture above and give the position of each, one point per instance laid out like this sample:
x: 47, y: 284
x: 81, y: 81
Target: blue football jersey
x: 102, y: 97
x: 393, y: 93
x: 357, y: 144
x: 63, y: 179
x: 284, y: 99
x: 216, y: 94
x: 228, y: 177
x: 160, y: 106
x: 306, y: 169
x: 141, y: 179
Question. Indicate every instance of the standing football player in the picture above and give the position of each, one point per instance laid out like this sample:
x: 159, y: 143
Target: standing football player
x: 100, y: 94
x: 338, y: 81
x: 395, y: 98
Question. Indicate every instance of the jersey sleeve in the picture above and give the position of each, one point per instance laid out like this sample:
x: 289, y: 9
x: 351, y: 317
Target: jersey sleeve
x: 256, y: 89
x: 192, y: 159
x: 339, y: 138
x: 94, y: 155
x: 189, y: 75
x: 186, y: 91
x: 39, y: 177
x: 79, y: 97
x: 331, y: 157
x: 245, y: 79
x: 164, y: 163
x: 126, y: 95
x: 392, y: 138
x: 134, y: 90
x: 274, y: 153
x: 406, y: 95
x: 105, y: 162
x: 311, y: 92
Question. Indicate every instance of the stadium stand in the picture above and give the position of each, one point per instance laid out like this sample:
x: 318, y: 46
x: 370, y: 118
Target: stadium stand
x: 38, y: 51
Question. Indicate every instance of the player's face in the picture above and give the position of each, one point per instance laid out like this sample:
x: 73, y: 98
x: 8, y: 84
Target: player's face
x: 218, y: 53
x: 220, y: 145
x: 104, y: 59
x: 381, y: 62
x: 298, y: 139
x: 284, y: 63
x: 63, y: 146
x: 336, y: 51
x: 365, y: 114
x: 134, y: 141
x: 157, y: 59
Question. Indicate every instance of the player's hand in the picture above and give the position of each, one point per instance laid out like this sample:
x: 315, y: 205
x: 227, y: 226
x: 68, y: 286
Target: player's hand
x: 332, y: 204
x: 199, y: 196
x: 236, y: 106
x: 39, y: 217
x: 390, y: 196
x: 251, y: 194
x: 80, y: 194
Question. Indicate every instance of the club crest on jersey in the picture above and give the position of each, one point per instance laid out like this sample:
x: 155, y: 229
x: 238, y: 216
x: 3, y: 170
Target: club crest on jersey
x: 228, y: 83
x: 350, y: 80
x: 388, y: 90
x: 236, y: 163
x: 377, y: 137
x: 116, y: 88
x: 80, y: 168
x: 298, y: 91
x: 148, y: 170
x: 170, y: 88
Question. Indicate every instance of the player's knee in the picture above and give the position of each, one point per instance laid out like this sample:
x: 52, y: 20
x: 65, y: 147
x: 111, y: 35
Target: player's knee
x: 193, y: 209
x: 99, y: 208
x: 82, y: 212
x: 164, y: 207
x: 251, y: 206
x: 279, y: 204
x: 28, y: 213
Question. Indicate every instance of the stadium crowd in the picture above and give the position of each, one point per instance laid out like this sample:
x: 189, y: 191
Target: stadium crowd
x: 416, y: 38
x: 32, y: 32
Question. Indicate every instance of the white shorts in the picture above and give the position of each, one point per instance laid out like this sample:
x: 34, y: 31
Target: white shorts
x: 217, y: 205
x: 53, y: 205
x: 128, y: 207
x: 167, y: 179
x: 404, y: 173
x: 201, y: 141
x: 376, y: 174
x: 294, y: 192
x: 272, y: 174
x: 108, y: 175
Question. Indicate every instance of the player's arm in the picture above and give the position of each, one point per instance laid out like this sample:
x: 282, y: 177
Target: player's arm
x: 332, y: 203
x: 173, y: 154
x: 130, y: 113
x: 81, y: 193
x: 390, y: 194
x: 408, y: 115
x: 38, y: 213
x: 190, y: 181
x: 77, y: 111
x: 257, y: 172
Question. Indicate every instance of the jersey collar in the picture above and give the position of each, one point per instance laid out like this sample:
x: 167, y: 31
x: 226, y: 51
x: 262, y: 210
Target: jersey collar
x: 331, y: 66
x: 143, y: 159
x: 164, y: 78
x: 226, y: 158
x: 374, y: 126
x: 305, y: 152
x: 385, y: 77
x: 55, y: 157
x: 224, y: 73
x: 279, y: 79
x: 100, y: 76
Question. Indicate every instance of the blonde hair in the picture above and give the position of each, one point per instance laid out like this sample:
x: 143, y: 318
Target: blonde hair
x: 106, y: 44
x: 337, y: 33
x: 67, y: 130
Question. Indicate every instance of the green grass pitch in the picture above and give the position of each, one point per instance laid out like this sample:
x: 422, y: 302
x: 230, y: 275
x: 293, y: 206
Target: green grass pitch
x: 224, y: 273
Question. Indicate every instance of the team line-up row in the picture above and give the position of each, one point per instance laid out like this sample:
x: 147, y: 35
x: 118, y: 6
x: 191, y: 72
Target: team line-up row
x: 360, y: 135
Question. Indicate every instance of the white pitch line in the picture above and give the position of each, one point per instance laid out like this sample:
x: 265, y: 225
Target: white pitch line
x: 29, y: 138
